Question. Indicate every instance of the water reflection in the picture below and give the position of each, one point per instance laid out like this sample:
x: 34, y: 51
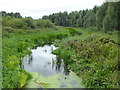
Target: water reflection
x: 59, y: 65
x: 28, y: 60
x: 42, y: 61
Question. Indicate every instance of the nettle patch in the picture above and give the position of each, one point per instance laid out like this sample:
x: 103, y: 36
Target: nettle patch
x: 95, y: 60
x: 98, y: 60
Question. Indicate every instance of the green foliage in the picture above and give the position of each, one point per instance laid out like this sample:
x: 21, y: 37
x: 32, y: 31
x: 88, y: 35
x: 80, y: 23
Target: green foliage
x: 110, y: 21
x: 90, y: 55
x: 8, y: 29
x: 43, y: 23
x: 94, y: 58
x: 24, y: 23
x: 15, y: 77
x: 72, y: 31
x: 97, y: 58
x: 29, y: 22
x: 6, y: 21
x: 16, y: 15
x: 65, y: 19
x: 15, y: 47
x: 18, y: 23
x: 79, y: 22
x: 90, y: 19
x: 106, y: 23
x: 100, y: 15
x: 83, y: 56
x: 104, y: 17
x: 14, y: 23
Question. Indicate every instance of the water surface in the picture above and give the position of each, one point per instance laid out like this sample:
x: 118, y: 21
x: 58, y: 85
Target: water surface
x: 42, y: 61
x: 43, y: 66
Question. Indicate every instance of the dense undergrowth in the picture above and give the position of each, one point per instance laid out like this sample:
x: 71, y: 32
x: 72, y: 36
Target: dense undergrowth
x: 93, y: 56
x: 16, y: 45
x: 90, y: 52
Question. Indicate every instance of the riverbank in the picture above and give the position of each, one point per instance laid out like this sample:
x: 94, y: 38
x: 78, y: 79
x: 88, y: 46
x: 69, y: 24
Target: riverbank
x: 47, y: 71
x: 93, y: 56
x: 16, y: 45
x: 54, y: 81
x: 74, y: 46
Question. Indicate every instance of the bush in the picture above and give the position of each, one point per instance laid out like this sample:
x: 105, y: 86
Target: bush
x: 44, y: 23
x: 72, y: 31
x: 29, y: 22
x: 6, y: 21
x: 18, y: 23
x: 8, y: 29
x: 96, y: 61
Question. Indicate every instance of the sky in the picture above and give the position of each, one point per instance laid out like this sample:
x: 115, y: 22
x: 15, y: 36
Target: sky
x: 38, y: 8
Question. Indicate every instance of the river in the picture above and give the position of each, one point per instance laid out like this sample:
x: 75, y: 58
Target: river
x: 47, y: 72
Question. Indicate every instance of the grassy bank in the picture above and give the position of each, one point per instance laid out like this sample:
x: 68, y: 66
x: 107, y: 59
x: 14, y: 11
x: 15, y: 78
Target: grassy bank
x: 89, y: 53
x: 15, y: 46
x: 93, y: 56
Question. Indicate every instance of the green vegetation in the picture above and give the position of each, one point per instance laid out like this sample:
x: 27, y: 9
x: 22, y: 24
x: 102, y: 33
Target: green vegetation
x: 45, y: 82
x: 88, y: 44
x: 0, y: 49
x: 93, y: 57
x: 96, y: 54
x: 15, y: 47
x: 104, y: 17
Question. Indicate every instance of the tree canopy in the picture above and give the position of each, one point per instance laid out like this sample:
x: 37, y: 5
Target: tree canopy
x: 104, y: 17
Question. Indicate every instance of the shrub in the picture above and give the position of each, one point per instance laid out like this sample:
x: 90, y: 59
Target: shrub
x: 8, y: 29
x: 6, y: 21
x: 72, y: 31
x: 18, y: 23
x: 44, y: 23
x: 29, y: 22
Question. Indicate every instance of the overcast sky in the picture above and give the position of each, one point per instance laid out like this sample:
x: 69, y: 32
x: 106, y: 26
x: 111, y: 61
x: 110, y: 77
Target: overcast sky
x: 37, y: 8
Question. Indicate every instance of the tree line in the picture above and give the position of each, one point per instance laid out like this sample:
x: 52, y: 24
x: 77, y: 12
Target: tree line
x: 11, y: 14
x: 104, y: 17
x: 12, y: 21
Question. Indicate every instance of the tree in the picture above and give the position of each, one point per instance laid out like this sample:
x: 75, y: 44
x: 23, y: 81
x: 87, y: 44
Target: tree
x: 17, y: 15
x: 12, y: 15
x: 29, y: 22
x: 90, y: 18
x: 118, y: 13
x: 80, y: 22
x: 4, y: 14
x: 100, y: 15
x: 110, y: 21
x: 106, y: 25
x: 18, y: 23
x: 43, y: 23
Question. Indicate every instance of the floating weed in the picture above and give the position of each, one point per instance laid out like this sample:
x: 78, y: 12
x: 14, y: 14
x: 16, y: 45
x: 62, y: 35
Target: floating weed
x: 40, y: 83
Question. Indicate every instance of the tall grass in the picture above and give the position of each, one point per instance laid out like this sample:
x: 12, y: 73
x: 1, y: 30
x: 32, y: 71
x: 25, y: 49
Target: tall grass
x: 15, y: 46
x: 85, y: 52
x: 94, y: 57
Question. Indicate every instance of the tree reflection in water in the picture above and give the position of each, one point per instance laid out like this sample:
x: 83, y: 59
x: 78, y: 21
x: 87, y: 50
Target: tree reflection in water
x: 59, y: 65
x: 29, y: 59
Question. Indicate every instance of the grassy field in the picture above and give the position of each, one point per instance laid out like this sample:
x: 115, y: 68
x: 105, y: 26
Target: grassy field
x: 91, y: 54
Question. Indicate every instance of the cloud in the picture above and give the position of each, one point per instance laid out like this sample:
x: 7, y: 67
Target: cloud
x: 38, y: 8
